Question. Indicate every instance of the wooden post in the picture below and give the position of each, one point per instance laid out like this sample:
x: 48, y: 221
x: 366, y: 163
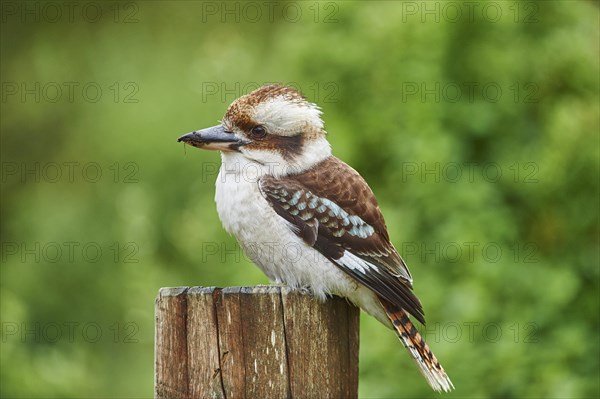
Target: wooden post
x: 254, y: 342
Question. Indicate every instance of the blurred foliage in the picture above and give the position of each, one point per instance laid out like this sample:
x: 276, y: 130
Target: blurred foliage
x: 520, y: 323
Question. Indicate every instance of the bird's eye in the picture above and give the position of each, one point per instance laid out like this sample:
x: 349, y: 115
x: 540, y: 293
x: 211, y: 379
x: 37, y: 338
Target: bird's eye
x: 258, y: 132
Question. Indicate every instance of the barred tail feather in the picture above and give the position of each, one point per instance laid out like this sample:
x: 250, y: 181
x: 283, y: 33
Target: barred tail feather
x: 428, y: 365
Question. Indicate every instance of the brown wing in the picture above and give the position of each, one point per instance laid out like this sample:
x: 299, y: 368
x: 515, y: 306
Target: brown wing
x: 333, y: 209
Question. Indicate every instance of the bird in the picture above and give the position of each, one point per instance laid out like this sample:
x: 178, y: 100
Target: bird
x: 280, y: 191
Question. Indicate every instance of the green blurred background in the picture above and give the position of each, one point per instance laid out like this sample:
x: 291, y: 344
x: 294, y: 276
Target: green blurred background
x: 475, y: 123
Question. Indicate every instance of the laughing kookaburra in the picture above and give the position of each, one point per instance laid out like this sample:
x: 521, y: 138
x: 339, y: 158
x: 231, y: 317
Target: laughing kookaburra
x: 279, y: 187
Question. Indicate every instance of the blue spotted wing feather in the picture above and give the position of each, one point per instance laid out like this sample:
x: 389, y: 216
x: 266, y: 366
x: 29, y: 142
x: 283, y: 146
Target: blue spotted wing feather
x: 333, y: 209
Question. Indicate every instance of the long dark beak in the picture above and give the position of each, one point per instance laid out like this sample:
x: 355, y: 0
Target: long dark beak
x: 213, y: 138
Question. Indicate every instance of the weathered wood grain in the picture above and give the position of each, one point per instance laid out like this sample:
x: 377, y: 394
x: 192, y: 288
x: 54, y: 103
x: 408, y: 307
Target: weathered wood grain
x: 204, y: 370
x: 171, y: 362
x: 322, y: 346
x: 254, y: 342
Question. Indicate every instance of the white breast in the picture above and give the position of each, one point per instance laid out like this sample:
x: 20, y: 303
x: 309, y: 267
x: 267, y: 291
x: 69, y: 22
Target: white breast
x: 268, y: 240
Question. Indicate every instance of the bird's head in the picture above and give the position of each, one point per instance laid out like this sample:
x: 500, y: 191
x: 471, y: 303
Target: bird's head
x: 274, y: 126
